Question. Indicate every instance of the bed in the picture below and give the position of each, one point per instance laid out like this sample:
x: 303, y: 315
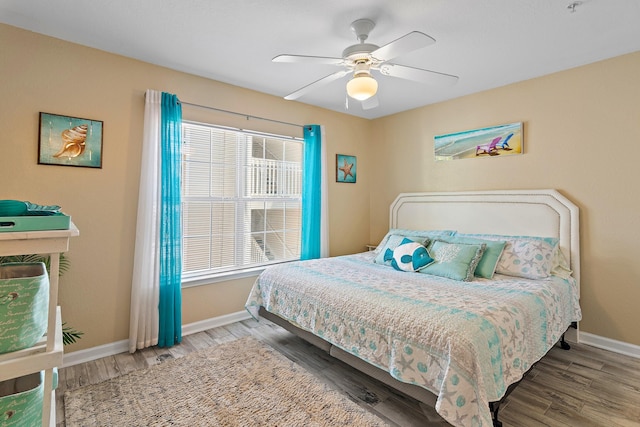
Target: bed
x: 442, y: 334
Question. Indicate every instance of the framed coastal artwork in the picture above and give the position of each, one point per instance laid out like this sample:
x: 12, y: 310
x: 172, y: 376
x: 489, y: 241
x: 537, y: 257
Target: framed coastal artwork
x: 490, y: 142
x: 69, y: 141
x: 345, y: 168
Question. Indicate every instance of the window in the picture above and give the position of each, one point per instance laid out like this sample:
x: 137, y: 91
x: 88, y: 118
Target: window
x: 241, y: 199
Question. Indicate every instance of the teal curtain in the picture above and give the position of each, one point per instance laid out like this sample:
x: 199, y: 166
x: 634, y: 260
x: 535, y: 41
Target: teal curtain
x: 311, y: 193
x: 170, y: 302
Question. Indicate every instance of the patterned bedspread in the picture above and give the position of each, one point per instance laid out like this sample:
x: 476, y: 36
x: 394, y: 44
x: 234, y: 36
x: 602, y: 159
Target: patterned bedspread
x: 464, y: 341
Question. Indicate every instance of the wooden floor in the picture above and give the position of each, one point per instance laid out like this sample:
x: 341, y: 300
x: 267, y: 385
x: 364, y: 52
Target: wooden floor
x: 584, y: 386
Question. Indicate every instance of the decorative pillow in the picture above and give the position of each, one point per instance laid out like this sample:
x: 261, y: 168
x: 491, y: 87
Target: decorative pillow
x: 530, y: 257
x: 408, y: 256
x: 393, y: 242
x: 561, y: 267
x: 493, y: 249
x: 412, y: 234
x: 454, y: 260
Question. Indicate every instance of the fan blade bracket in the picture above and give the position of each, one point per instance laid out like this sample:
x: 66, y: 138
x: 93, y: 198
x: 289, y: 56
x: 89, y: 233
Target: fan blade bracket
x: 386, y: 69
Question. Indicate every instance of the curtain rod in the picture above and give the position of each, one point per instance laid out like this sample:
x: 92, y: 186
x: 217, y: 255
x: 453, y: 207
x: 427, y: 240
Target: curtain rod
x: 248, y: 116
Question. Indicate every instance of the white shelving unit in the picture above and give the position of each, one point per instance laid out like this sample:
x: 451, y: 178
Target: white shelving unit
x: 47, y: 353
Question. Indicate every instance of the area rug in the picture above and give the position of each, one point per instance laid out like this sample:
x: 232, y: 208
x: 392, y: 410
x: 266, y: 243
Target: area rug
x: 239, y: 383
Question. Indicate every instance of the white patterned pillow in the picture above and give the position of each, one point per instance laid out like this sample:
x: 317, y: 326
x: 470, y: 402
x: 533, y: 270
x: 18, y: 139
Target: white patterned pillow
x: 528, y: 258
x: 531, y: 257
x: 561, y: 266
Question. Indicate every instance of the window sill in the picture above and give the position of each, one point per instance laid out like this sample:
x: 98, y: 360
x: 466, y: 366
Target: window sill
x: 221, y: 277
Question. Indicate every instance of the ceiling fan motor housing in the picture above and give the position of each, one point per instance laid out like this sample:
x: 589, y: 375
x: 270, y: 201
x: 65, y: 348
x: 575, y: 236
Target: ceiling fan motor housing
x: 359, y: 51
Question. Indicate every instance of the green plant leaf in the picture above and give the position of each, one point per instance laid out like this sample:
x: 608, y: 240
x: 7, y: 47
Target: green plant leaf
x: 70, y: 335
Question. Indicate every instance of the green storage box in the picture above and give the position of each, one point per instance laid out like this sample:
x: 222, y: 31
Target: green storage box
x: 21, y: 400
x: 24, y: 304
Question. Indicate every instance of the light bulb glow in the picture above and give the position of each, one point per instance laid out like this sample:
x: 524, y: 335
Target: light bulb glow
x: 362, y: 87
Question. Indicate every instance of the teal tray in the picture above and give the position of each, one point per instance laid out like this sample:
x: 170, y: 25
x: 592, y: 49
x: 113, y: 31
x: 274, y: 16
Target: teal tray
x: 57, y: 221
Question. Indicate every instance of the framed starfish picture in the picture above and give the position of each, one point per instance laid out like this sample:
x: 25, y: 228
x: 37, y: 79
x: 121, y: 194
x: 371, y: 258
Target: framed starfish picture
x: 345, y: 168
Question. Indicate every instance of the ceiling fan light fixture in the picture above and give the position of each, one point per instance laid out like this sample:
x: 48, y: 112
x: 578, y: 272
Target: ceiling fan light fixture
x: 362, y: 86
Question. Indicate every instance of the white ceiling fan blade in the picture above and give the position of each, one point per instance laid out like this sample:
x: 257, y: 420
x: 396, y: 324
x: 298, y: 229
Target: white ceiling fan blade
x: 370, y: 103
x: 309, y: 59
x: 321, y: 82
x: 418, y: 74
x: 405, y: 44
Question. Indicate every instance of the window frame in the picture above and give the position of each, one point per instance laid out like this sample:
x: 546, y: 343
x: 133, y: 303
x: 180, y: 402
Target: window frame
x: 206, y: 277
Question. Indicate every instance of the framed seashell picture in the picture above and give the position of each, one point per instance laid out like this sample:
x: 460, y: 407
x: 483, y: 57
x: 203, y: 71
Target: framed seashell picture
x: 69, y: 141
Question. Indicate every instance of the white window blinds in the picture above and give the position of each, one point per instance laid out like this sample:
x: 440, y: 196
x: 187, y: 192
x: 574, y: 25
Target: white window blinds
x: 241, y: 199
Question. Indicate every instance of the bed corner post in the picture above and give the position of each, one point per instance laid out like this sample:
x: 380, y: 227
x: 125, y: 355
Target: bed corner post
x: 494, y: 407
x: 564, y: 344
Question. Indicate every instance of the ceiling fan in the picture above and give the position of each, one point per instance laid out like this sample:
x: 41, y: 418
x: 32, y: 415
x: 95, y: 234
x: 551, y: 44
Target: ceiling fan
x: 362, y: 58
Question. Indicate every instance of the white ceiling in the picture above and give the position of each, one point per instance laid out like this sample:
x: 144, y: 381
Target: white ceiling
x: 487, y: 43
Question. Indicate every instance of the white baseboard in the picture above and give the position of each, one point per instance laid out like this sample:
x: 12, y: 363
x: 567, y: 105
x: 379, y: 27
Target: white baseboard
x: 615, y: 346
x: 214, y: 322
x: 93, y: 353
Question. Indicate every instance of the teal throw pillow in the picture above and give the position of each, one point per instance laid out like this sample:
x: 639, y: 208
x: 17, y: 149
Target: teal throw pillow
x: 490, y: 257
x: 454, y: 261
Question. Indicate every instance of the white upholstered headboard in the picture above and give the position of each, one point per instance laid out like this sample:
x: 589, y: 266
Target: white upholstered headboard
x: 545, y: 213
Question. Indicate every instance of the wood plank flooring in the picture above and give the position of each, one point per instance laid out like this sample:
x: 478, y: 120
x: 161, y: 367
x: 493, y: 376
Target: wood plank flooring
x: 584, y: 386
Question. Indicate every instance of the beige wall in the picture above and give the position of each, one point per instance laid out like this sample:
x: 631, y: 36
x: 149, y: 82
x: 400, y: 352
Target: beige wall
x: 582, y: 130
x: 42, y: 74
